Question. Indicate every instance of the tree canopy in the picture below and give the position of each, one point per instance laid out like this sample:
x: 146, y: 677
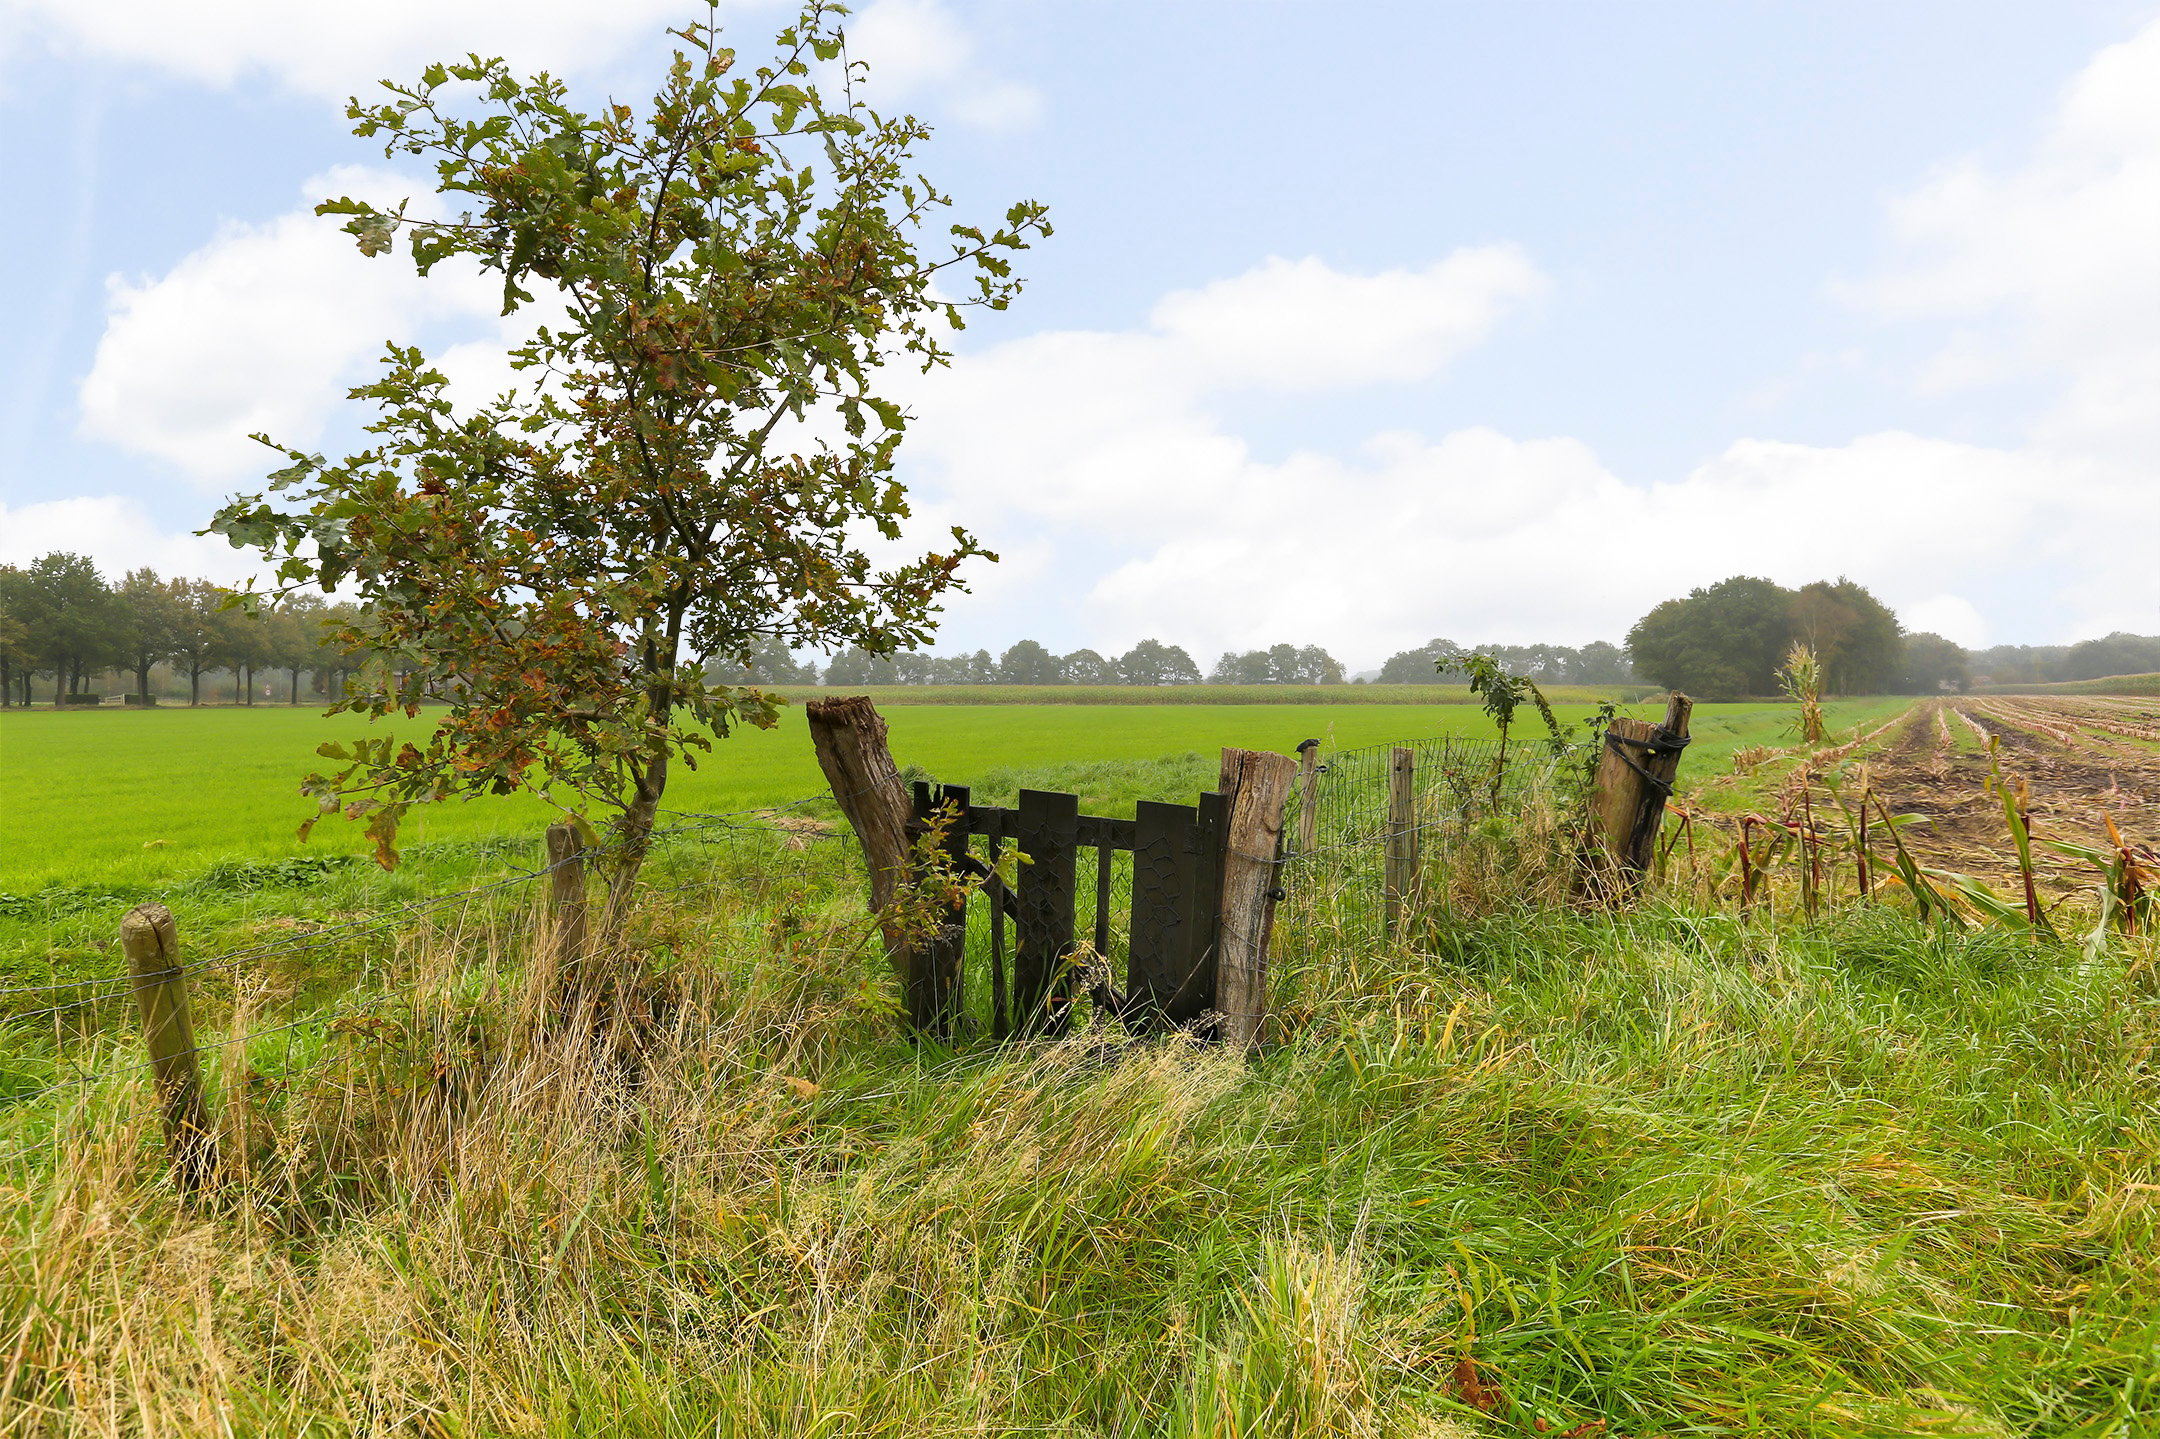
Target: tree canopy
x: 1727, y: 640
x: 699, y: 452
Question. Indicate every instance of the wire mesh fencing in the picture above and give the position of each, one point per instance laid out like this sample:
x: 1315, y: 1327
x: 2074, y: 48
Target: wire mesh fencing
x: 320, y: 993
x: 1388, y: 832
x: 278, y: 1003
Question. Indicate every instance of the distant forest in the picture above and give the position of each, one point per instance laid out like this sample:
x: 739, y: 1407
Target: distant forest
x: 63, y: 623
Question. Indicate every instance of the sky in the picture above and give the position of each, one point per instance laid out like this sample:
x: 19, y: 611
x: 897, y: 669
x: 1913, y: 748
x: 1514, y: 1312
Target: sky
x: 1362, y: 324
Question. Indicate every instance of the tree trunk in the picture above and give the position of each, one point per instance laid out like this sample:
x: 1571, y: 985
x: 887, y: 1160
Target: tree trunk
x: 296, y: 685
x: 634, y: 836
x: 850, y: 738
x: 194, y: 686
x: 142, y: 678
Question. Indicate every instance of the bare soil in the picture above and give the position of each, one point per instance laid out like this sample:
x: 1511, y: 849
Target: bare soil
x: 2078, y: 777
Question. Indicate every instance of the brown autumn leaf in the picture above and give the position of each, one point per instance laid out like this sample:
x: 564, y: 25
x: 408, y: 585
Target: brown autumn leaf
x: 1474, y: 1391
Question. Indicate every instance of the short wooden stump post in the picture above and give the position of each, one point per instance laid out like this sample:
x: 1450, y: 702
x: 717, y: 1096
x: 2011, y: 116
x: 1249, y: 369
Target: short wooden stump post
x: 151, y: 943
x: 1634, y: 777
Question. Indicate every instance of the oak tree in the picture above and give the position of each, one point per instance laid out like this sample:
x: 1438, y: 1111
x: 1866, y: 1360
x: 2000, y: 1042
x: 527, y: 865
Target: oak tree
x: 701, y: 453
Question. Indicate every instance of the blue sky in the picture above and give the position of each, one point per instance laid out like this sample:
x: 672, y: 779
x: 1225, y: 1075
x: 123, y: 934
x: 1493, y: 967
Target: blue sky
x: 1362, y: 324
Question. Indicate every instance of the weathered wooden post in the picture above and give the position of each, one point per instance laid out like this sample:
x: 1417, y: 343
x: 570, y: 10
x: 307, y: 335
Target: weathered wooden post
x: 152, y: 946
x: 1627, y: 798
x: 1308, y: 826
x: 1046, y: 829
x: 566, y: 896
x: 856, y: 757
x: 1256, y: 789
x: 1402, y: 839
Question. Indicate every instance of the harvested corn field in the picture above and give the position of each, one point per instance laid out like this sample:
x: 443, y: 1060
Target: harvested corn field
x: 2084, y: 765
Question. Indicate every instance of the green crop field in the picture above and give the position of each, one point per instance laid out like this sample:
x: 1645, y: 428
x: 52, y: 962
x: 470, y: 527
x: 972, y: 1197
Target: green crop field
x: 138, y: 797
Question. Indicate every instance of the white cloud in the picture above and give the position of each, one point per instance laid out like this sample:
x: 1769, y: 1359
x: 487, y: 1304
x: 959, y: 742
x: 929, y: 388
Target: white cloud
x: 910, y: 45
x: 333, y: 51
x: 1954, y: 617
x: 264, y: 329
x: 117, y: 533
x: 918, y: 49
x: 2047, y: 267
x: 1106, y: 444
x: 1301, y: 324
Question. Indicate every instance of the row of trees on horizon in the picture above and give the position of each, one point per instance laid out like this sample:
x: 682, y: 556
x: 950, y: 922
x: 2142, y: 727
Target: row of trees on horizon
x: 62, y: 620
x: 1728, y: 640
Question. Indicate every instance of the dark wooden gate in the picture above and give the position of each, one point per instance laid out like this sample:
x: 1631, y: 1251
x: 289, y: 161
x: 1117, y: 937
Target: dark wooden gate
x: 1170, y: 965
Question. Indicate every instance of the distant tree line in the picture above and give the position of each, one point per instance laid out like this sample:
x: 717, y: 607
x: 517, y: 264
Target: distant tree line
x: 1149, y: 662
x: 63, y: 622
x: 2116, y: 654
x: 1594, y: 664
x: 1729, y: 639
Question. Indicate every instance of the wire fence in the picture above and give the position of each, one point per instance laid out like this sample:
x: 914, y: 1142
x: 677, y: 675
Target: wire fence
x: 72, y: 1034
x: 1462, y: 795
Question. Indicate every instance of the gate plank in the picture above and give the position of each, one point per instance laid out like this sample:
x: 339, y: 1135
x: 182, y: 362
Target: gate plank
x: 1047, y: 832
x: 1210, y: 829
x: 1155, y: 957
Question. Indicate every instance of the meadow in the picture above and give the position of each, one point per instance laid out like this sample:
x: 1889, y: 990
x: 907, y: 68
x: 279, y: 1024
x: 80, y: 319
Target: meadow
x: 139, y: 797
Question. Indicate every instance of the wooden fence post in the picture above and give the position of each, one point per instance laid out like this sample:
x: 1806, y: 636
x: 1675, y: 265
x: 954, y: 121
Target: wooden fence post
x: 1308, y: 826
x: 1256, y: 790
x: 152, y: 947
x: 1627, y: 799
x: 856, y: 757
x: 566, y: 896
x: 1402, y: 839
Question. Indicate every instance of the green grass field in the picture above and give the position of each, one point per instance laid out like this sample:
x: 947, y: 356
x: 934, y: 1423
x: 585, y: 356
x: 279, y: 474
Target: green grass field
x: 138, y: 797
x: 889, y: 695
x: 2134, y: 685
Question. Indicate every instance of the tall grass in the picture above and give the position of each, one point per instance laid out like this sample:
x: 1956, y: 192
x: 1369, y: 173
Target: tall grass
x: 1532, y: 1171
